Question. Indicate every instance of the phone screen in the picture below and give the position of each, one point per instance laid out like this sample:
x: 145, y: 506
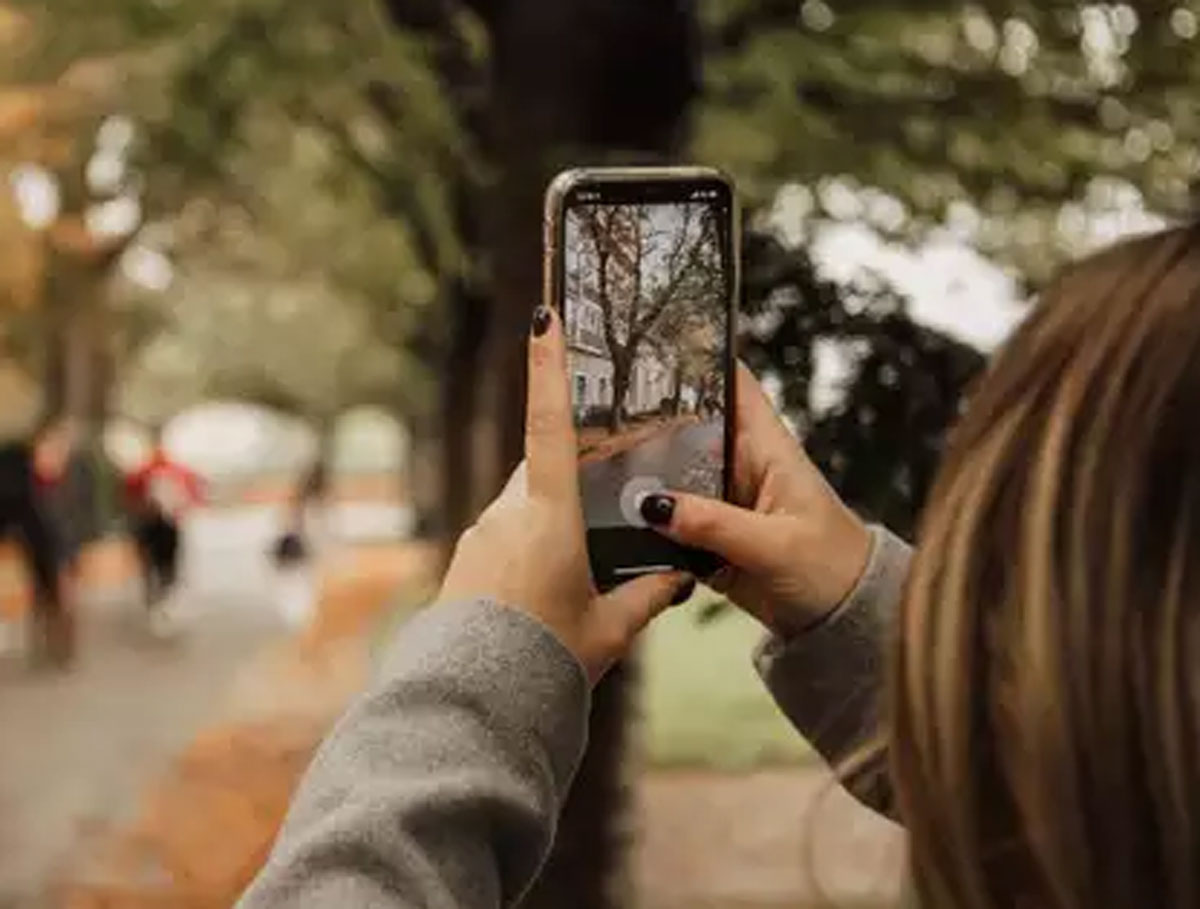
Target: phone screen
x: 646, y: 288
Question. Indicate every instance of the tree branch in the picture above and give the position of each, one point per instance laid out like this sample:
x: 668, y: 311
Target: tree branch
x: 592, y: 222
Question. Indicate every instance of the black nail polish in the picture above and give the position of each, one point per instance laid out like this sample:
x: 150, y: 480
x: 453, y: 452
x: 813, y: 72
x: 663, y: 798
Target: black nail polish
x: 684, y: 593
x: 541, y: 321
x: 657, y: 509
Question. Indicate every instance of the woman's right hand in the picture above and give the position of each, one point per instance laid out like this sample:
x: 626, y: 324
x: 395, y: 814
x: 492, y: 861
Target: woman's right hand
x: 793, y: 548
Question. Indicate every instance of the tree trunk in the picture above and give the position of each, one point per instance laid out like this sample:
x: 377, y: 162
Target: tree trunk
x: 575, y: 81
x: 462, y: 487
x: 421, y: 479
x: 572, y: 82
x: 588, y: 869
x: 622, y: 372
x: 80, y: 367
x: 79, y: 372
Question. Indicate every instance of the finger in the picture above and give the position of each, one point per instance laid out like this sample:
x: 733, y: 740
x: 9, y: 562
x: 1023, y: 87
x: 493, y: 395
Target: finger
x: 550, y: 449
x: 633, y: 605
x: 517, y: 487
x: 745, y: 539
x: 515, y: 491
x: 756, y: 415
x: 762, y: 439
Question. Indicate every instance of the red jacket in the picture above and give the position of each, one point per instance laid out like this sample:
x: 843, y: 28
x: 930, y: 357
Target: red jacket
x: 164, y: 485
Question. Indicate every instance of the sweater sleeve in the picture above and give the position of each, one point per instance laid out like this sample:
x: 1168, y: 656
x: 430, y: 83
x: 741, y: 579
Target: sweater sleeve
x: 441, y: 786
x: 828, y: 680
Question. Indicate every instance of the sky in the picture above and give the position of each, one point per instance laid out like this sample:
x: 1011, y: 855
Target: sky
x: 666, y: 219
x: 950, y: 286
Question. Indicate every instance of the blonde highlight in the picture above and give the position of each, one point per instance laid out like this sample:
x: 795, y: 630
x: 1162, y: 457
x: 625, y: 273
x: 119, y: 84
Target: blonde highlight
x: 1042, y: 714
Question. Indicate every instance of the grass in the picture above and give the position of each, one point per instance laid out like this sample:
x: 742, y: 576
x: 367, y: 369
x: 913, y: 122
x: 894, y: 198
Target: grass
x: 703, y: 703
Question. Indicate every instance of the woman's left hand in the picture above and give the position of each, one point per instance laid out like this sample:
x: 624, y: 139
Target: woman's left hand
x: 528, y: 550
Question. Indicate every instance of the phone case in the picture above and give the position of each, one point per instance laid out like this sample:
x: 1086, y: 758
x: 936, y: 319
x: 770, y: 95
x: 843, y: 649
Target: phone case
x: 553, y: 226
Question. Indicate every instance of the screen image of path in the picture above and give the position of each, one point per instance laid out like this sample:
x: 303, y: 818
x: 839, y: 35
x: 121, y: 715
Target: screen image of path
x: 645, y: 303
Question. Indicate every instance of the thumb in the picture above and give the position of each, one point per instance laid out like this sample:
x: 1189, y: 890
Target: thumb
x: 743, y: 538
x: 633, y: 605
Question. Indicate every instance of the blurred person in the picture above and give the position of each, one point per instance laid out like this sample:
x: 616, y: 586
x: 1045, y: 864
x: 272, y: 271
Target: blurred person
x: 295, y: 551
x: 296, y: 542
x: 62, y: 481
x: 159, y: 494
x: 24, y: 514
x: 1021, y: 695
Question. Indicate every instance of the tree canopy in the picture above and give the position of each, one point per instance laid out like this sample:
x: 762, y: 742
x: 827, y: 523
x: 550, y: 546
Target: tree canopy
x: 319, y: 132
x: 653, y: 273
x: 290, y: 346
x: 340, y: 131
x: 344, y: 136
x: 1014, y: 109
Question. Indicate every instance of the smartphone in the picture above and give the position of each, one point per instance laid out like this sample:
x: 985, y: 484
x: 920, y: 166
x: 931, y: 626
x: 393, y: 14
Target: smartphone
x: 642, y: 264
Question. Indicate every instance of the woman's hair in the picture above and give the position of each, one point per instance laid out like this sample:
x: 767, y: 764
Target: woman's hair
x: 1045, y: 700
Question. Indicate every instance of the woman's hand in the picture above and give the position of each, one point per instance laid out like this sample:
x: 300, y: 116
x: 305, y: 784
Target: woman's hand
x: 794, y: 549
x: 528, y: 549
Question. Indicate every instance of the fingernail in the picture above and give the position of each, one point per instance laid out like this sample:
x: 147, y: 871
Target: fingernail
x: 657, y: 509
x: 684, y: 592
x: 541, y: 321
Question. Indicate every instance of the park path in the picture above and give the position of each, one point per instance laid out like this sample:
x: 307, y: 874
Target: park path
x: 684, y: 455
x: 772, y: 839
x: 77, y: 749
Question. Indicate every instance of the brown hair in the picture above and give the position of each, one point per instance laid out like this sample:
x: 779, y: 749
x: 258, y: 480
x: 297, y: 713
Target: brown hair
x: 1045, y: 701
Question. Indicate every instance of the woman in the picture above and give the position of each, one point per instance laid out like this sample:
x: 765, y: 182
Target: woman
x: 1040, y: 722
x: 159, y: 494
x: 1044, y: 712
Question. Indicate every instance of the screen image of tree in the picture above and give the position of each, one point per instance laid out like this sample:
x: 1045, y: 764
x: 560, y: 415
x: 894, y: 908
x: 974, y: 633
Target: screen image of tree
x: 645, y: 305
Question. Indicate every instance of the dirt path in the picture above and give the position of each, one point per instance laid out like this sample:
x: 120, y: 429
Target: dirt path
x: 599, y: 445
x: 76, y: 748
x: 200, y: 830
x: 766, y: 840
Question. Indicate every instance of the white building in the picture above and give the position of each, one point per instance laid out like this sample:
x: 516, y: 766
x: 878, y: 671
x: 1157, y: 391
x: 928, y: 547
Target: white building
x: 591, y: 368
x: 651, y: 381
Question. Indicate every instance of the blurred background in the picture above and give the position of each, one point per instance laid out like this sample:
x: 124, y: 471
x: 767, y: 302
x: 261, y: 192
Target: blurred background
x: 291, y: 248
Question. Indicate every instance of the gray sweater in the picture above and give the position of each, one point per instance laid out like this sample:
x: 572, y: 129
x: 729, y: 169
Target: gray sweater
x: 441, y: 786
